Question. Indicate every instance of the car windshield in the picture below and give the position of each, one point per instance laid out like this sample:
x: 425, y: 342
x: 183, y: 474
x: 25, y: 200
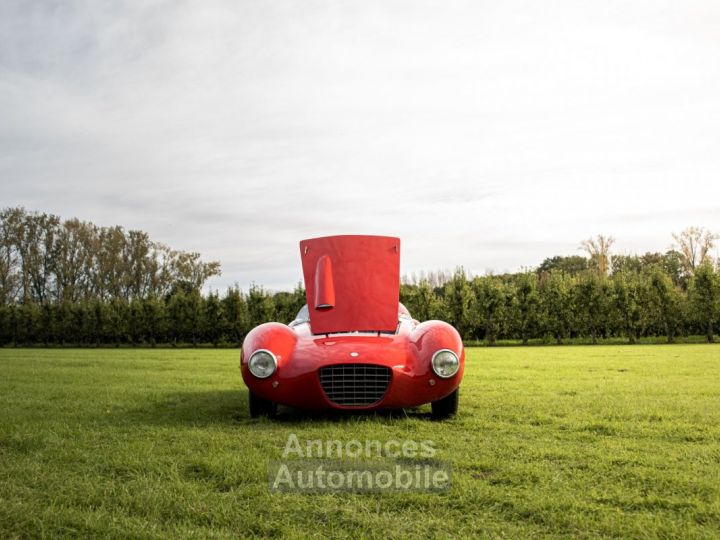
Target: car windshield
x: 303, y: 315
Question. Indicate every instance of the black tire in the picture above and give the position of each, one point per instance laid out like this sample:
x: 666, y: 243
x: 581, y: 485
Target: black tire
x: 261, y: 407
x: 446, y: 407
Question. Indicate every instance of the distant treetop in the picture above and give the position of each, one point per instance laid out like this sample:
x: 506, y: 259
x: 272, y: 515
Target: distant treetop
x: 43, y: 258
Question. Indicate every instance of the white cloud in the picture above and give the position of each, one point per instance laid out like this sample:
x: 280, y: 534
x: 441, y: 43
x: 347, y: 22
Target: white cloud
x: 488, y: 135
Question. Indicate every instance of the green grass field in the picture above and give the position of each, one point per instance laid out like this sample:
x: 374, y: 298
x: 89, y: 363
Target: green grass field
x: 549, y: 441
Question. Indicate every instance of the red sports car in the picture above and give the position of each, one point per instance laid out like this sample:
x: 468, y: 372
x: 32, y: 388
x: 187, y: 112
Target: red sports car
x: 353, y: 346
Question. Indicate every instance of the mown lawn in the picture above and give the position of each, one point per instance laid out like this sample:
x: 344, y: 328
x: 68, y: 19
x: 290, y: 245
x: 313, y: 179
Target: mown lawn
x: 550, y: 441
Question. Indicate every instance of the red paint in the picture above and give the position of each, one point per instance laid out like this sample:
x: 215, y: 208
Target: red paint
x: 300, y: 355
x: 361, y: 274
x: 355, y: 282
x: 324, y: 284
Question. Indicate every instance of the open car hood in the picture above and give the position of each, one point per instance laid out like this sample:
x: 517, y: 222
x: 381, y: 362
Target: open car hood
x: 352, y: 283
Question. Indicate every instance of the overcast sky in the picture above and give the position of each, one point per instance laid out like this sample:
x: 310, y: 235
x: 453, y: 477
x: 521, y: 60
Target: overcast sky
x: 484, y: 134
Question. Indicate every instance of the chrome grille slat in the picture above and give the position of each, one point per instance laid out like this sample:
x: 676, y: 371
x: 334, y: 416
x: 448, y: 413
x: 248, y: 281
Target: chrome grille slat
x: 354, y: 385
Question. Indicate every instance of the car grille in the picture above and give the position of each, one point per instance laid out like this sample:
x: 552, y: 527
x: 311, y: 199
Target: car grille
x: 354, y: 385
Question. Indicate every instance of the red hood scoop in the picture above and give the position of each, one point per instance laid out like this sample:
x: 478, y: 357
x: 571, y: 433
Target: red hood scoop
x: 352, y: 283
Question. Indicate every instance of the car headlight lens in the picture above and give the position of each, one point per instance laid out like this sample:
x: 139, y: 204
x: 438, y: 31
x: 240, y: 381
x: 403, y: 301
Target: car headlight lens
x: 262, y: 364
x: 445, y: 363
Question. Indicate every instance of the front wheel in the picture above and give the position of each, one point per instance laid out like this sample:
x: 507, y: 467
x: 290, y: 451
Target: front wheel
x: 446, y: 407
x: 261, y: 407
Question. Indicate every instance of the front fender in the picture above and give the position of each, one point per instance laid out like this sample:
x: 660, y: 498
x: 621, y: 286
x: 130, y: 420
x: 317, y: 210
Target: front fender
x: 276, y: 338
x: 431, y: 336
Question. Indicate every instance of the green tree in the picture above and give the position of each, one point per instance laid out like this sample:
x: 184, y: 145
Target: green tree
x: 422, y: 301
x: 260, y: 306
x: 555, y: 304
x: 63, y: 323
x: 491, y: 297
x: 154, y: 318
x: 287, y: 304
x: 236, y: 315
x: 29, y: 323
x: 705, y: 295
x: 72, y: 261
x: 177, y: 316
x: 627, y: 297
x: 99, y: 317
x: 9, y: 256
x: 47, y: 323
x: 45, y: 259
x: 429, y: 304
x: 627, y: 264
x: 664, y: 302
x: 185, y: 313
x: 408, y: 297
x: 137, y: 325
x: 528, y: 304
x: 213, y: 319
x: 83, y: 323
x: 6, y: 332
x: 118, y: 323
x: 460, y: 302
x: 195, y: 314
x: 572, y: 265
x: 592, y: 295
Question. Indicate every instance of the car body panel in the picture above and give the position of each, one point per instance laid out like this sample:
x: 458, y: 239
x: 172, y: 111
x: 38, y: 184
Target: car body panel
x: 364, y: 276
x: 300, y: 355
x: 352, y: 282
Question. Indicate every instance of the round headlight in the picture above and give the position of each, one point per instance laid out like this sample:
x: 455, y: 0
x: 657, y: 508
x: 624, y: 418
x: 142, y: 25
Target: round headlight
x: 262, y: 364
x: 445, y: 363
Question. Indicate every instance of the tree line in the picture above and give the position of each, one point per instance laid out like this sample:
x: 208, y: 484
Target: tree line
x: 44, y: 259
x: 184, y: 316
x: 671, y: 294
x: 73, y: 283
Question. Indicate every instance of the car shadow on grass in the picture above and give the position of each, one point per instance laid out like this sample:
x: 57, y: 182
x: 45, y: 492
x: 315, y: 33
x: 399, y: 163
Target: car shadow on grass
x: 193, y: 408
x: 290, y: 415
x: 228, y: 407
